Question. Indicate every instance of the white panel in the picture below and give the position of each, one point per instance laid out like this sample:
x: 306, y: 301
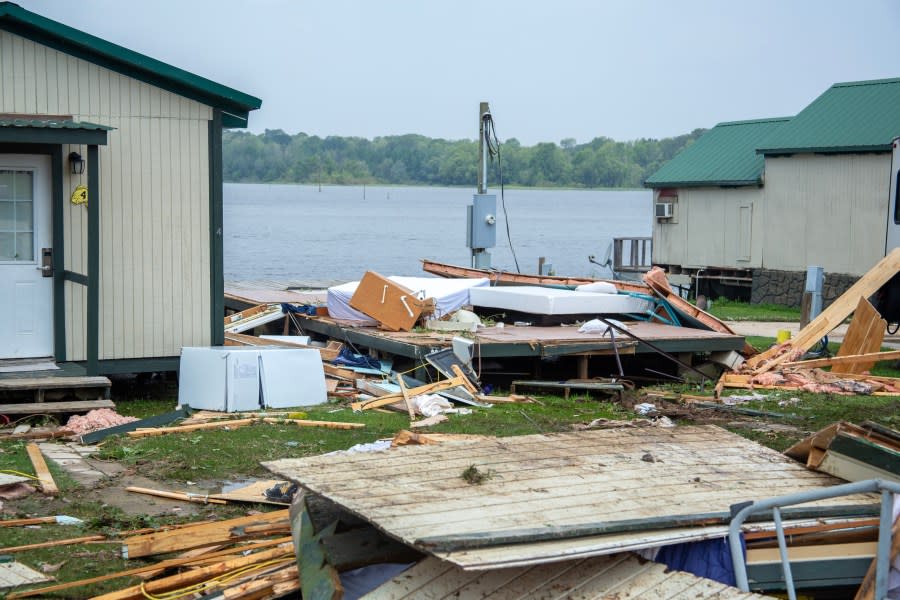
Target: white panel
x: 292, y: 378
x: 745, y: 232
x: 201, y: 378
x: 825, y: 210
x: 242, y: 388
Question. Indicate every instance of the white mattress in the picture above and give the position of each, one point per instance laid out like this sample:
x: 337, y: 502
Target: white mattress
x: 449, y: 294
x: 552, y: 301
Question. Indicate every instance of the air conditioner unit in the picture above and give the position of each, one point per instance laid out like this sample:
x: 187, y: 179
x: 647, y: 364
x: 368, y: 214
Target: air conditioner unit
x: 664, y: 210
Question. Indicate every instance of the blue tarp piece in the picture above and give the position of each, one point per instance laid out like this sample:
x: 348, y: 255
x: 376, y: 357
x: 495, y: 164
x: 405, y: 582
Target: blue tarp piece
x: 303, y: 309
x: 348, y: 358
x: 707, y: 558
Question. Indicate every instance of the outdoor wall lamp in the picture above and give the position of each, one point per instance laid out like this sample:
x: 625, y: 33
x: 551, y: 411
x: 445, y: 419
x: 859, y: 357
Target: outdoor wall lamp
x: 77, y: 163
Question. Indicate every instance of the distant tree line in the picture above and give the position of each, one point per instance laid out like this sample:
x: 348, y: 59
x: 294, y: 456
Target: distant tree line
x: 275, y: 156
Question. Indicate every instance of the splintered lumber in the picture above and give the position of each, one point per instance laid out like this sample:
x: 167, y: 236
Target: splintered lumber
x: 511, y: 399
x: 253, y: 317
x: 204, y: 534
x: 230, y: 424
x: 329, y: 352
x: 325, y: 424
x: 41, y: 408
x: 831, y: 317
x: 864, y: 336
x: 405, y: 393
x: 282, y: 553
x: 428, y: 388
x: 22, y: 522
x: 657, y: 281
x: 48, y: 486
x: 405, y: 437
x: 187, y: 497
x: 839, y: 364
x: 339, y: 373
x: 158, y: 567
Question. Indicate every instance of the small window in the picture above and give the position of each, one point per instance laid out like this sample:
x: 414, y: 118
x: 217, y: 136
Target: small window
x: 897, y: 199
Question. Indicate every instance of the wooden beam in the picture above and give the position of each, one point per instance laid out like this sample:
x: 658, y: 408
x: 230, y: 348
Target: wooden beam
x: 406, y: 400
x: 840, y: 361
x: 428, y: 388
x: 187, y: 497
x: 44, y: 408
x: 48, y: 486
x: 325, y: 424
x: 233, y: 423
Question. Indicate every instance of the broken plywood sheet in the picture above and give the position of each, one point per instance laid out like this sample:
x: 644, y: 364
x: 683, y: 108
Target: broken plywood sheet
x: 618, y: 576
x: 864, y: 336
x: 572, y: 487
x: 15, y: 574
x: 851, y: 452
x: 394, y: 306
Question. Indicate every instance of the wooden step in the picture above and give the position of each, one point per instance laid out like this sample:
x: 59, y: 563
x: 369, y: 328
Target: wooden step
x: 40, y: 408
x: 41, y: 384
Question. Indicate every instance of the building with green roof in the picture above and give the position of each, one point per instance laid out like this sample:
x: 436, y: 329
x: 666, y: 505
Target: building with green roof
x: 751, y: 204
x: 110, y: 200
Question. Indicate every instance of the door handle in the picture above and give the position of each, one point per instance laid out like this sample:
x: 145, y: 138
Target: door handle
x: 45, y: 268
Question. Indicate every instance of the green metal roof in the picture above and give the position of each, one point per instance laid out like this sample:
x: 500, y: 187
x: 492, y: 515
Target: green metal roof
x: 723, y: 156
x: 53, y: 124
x: 235, y: 105
x: 51, y: 131
x: 858, y: 116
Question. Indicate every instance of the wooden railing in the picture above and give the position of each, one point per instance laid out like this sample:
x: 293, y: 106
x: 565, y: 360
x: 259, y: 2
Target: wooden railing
x: 632, y: 254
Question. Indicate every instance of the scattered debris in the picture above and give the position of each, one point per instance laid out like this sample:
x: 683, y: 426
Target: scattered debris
x: 852, y: 452
x: 473, y: 476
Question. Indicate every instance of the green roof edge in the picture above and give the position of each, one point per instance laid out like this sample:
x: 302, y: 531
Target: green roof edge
x: 83, y: 45
x: 825, y: 149
x: 729, y: 183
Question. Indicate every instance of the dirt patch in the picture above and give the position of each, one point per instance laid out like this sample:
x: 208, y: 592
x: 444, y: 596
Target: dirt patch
x: 111, y: 491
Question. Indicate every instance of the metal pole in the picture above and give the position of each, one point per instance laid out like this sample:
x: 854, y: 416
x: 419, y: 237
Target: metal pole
x: 785, y: 559
x: 483, y: 110
x: 883, y: 557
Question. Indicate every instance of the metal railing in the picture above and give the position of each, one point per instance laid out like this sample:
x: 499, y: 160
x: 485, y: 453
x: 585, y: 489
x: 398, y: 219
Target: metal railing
x: 632, y: 254
x: 882, y: 558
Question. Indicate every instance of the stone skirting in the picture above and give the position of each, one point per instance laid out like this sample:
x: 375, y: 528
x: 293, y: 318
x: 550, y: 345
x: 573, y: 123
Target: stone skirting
x: 786, y: 287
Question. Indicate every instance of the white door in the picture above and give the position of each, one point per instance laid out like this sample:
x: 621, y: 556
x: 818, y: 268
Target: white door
x: 893, y: 227
x: 26, y: 296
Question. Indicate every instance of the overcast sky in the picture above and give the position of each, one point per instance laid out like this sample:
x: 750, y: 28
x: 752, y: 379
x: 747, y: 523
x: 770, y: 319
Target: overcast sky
x: 556, y: 69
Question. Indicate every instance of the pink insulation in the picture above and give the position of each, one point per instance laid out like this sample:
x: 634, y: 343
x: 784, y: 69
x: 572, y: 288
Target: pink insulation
x: 99, y: 418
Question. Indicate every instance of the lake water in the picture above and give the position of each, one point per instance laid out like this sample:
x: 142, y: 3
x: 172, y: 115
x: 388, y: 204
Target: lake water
x: 297, y: 232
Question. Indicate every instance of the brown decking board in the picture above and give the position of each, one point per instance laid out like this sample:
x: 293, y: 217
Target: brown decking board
x: 510, y: 340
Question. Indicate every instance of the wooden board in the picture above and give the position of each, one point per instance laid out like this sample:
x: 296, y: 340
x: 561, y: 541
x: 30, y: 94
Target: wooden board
x: 41, y: 408
x: 53, y: 383
x: 864, y: 335
x: 48, y: 486
x: 394, y: 306
x: 559, y: 482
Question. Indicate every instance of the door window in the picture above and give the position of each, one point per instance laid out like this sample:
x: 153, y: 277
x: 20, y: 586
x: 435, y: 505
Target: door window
x: 16, y: 215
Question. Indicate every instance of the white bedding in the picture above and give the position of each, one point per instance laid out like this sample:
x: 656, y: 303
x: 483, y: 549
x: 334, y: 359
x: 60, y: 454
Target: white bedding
x: 552, y: 301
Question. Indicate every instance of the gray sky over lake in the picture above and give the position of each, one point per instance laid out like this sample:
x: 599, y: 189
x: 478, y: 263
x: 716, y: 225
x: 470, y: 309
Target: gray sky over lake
x: 551, y: 70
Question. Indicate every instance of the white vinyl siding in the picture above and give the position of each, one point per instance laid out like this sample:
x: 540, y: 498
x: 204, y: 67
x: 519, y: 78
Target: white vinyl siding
x: 826, y: 210
x: 154, y: 200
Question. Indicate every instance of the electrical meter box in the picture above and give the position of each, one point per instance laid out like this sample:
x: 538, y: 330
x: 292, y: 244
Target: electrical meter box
x: 481, y: 229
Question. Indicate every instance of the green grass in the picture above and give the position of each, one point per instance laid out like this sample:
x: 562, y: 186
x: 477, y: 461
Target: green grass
x: 735, y: 310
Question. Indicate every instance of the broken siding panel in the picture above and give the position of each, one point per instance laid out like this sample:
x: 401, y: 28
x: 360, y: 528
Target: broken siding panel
x: 600, y: 480
x: 619, y: 576
x: 815, y: 202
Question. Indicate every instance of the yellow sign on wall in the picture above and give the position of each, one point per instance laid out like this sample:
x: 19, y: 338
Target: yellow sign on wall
x: 80, y: 195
